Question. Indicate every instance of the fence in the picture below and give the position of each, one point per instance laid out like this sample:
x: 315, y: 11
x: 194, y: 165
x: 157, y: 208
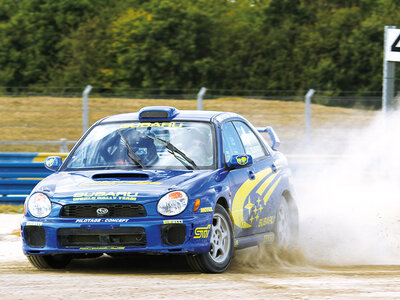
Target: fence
x: 19, y: 173
x: 52, y: 119
x: 46, y: 123
x: 62, y: 143
x: 348, y: 98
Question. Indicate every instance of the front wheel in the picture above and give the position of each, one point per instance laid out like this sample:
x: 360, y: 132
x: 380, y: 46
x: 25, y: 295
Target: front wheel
x: 220, y: 255
x: 58, y: 261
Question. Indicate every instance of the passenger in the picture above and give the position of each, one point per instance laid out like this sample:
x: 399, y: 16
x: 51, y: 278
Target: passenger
x: 200, y: 150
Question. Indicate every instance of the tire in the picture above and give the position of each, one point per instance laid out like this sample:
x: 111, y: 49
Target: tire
x: 285, y: 228
x: 220, y: 255
x: 58, y: 261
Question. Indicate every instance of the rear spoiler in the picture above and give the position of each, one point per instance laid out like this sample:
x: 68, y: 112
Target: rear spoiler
x: 276, y: 142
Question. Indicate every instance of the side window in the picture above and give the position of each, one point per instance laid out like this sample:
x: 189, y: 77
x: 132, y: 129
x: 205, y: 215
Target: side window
x: 231, y: 143
x: 250, y: 141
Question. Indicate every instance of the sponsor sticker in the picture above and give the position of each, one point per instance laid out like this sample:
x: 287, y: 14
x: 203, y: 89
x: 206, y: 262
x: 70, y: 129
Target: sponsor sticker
x: 107, y: 183
x: 104, y: 196
x: 173, y: 221
x: 112, y: 220
x: 102, y: 248
x: 206, y: 209
x: 269, y: 238
x: 152, y: 124
x: 266, y: 221
x: 242, y: 160
x: 50, y: 162
x: 34, y: 223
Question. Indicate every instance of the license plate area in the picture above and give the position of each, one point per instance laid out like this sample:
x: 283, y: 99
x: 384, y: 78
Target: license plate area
x: 100, y: 237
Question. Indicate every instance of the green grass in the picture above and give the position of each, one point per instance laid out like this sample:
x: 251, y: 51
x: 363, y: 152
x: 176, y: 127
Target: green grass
x: 11, y: 209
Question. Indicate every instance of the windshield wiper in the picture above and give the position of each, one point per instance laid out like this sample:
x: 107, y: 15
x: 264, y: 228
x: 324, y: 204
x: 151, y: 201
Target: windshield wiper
x: 131, y: 154
x: 173, y: 150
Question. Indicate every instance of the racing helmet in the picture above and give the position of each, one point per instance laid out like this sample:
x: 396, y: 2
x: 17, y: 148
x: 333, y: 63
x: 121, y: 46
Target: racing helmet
x: 142, y: 145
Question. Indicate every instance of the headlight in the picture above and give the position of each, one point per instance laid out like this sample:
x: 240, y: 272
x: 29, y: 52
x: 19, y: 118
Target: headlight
x: 39, y: 205
x: 172, y: 203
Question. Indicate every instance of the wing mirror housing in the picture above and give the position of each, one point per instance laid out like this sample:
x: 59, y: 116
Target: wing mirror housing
x: 53, y: 163
x: 239, y: 161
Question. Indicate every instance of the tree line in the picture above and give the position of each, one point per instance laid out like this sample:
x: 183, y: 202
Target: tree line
x: 330, y: 45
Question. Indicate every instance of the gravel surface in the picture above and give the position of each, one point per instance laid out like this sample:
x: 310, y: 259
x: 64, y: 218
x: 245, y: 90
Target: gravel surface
x: 252, y: 275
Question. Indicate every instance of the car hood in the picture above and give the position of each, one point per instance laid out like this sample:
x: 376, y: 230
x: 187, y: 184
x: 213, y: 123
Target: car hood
x: 143, y: 185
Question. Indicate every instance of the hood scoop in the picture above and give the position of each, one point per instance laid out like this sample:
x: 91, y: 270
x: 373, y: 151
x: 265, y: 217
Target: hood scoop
x: 120, y: 176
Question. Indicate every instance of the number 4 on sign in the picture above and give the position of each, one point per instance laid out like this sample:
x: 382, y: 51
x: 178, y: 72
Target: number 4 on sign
x: 395, y: 45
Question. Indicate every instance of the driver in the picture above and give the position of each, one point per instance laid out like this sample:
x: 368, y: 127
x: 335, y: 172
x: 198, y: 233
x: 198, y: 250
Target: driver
x: 141, y: 145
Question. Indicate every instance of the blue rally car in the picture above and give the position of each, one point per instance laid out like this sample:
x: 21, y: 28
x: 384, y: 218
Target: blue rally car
x: 163, y: 181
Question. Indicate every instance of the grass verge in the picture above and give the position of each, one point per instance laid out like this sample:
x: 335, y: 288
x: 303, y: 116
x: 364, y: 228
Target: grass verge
x: 11, y: 209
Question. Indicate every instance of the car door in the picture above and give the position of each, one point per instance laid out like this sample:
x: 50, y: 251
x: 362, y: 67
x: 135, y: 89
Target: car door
x: 254, y: 202
x: 232, y: 145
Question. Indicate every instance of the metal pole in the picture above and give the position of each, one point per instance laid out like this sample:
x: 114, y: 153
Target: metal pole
x: 85, y: 109
x: 200, y: 96
x: 63, y: 146
x: 388, y: 77
x: 307, y: 100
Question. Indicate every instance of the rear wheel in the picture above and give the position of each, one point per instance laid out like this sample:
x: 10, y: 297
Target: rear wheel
x: 58, y: 261
x: 220, y: 255
x: 285, y: 226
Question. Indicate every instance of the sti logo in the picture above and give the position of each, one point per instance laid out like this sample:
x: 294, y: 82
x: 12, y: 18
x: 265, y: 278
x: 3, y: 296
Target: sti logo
x: 202, y: 232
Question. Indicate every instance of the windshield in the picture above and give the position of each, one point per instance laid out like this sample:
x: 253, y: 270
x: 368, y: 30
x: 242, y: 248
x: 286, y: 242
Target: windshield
x: 155, y: 145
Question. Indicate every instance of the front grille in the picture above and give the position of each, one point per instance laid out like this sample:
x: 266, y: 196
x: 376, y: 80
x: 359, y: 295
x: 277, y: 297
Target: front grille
x: 85, y: 237
x: 123, y: 210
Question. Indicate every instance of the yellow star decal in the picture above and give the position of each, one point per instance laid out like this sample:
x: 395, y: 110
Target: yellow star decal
x: 251, y: 219
x: 255, y: 210
x: 257, y: 217
x: 249, y: 206
x: 260, y: 209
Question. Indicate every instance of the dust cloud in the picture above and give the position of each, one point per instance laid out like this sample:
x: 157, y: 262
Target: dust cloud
x: 269, y: 260
x: 350, y: 204
x: 348, y: 194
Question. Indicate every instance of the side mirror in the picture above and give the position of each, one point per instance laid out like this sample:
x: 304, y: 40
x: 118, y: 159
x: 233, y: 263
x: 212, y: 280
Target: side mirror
x: 239, y: 161
x: 53, y: 163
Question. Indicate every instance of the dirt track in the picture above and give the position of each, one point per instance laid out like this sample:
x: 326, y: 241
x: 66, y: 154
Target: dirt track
x: 251, y: 276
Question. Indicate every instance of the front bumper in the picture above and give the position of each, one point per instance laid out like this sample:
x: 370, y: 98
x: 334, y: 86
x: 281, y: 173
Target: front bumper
x: 105, y: 235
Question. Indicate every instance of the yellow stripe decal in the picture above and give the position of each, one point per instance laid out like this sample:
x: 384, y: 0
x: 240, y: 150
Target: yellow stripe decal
x: 271, y: 190
x: 262, y: 188
x: 241, y: 196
